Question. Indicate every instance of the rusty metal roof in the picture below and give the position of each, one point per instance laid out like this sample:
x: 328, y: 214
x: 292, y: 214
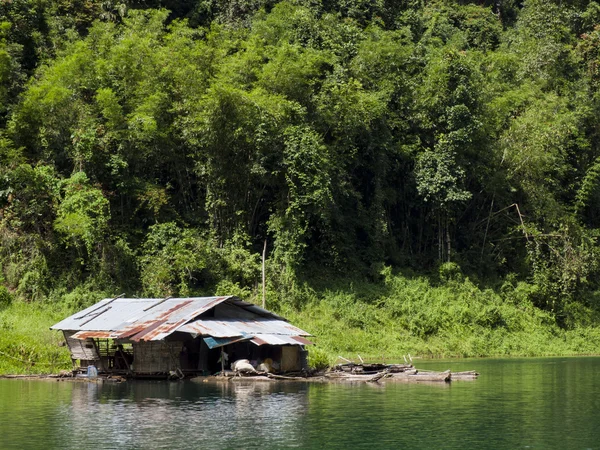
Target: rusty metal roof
x: 260, y: 339
x: 92, y: 334
x: 153, y: 319
x: 234, y: 327
x: 259, y: 331
x: 278, y: 339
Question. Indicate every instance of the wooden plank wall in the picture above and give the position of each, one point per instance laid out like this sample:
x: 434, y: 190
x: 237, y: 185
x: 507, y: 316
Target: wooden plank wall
x: 83, y: 350
x: 290, y: 358
x: 155, y: 357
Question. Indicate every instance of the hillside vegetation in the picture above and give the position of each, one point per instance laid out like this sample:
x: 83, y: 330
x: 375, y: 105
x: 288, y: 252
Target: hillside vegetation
x: 425, y: 174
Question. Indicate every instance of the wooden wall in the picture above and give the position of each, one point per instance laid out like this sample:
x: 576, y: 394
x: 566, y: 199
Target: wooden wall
x: 156, y: 356
x: 84, y: 351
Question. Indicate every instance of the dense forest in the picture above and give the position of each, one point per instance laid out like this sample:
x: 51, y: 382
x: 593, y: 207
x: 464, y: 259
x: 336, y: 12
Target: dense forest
x: 156, y: 147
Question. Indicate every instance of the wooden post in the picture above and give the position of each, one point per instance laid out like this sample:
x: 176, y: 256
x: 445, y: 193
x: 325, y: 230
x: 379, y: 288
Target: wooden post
x: 487, y: 227
x: 174, y: 361
x: 522, y: 223
x: 97, y: 348
x: 264, y: 300
x: 448, y: 242
x: 222, y: 363
x: 122, y: 355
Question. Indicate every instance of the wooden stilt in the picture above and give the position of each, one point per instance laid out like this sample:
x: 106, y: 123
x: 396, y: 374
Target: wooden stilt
x: 222, y: 361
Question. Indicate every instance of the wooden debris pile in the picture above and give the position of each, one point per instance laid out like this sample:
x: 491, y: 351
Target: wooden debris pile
x: 359, y: 372
x: 351, y: 371
x: 367, y: 369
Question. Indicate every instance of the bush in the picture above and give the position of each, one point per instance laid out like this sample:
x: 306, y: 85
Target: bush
x: 412, y: 316
x: 450, y: 271
x: 5, y: 297
x: 319, y: 359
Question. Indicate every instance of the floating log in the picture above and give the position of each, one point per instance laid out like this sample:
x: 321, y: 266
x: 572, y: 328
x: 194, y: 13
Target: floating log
x: 379, y: 376
x: 261, y: 378
x: 283, y: 377
x: 467, y: 375
x: 370, y: 373
x: 432, y: 376
x: 371, y: 368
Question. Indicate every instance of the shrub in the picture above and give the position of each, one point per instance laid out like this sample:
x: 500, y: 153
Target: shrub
x: 5, y: 297
x: 318, y: 359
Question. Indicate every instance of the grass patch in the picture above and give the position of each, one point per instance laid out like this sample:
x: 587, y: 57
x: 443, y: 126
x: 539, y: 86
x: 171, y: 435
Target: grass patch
x: 454, y: 318
x: 27, y: 345
x: 397, y: 316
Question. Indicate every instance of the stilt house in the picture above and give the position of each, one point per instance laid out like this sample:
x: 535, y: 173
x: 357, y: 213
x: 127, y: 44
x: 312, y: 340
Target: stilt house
x: 184, y: 336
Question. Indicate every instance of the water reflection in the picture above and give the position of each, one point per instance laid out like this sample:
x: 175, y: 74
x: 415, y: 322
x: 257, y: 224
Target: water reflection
x: 210, y: 415
x: 545, y: 403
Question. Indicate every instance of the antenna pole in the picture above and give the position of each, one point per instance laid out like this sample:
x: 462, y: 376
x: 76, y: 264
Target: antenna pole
x: 264, y: 300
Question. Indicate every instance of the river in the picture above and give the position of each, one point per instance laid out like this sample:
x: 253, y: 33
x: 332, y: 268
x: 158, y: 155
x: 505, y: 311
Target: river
x: 536, y: 403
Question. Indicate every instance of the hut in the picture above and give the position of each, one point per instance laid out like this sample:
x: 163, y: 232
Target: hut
x: 153, y: 337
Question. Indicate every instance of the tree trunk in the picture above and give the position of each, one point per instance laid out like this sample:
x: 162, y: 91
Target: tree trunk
x: 448, y: 241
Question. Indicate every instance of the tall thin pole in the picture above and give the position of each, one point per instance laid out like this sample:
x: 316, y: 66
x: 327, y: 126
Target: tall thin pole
x: 264, y: 299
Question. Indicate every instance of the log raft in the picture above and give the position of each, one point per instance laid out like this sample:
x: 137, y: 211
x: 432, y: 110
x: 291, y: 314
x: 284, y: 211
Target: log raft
x: 352, y: 372
x: 404, y: 373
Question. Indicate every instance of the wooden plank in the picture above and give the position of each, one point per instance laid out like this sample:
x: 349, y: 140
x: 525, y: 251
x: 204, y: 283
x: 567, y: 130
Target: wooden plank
x: 289, y: 358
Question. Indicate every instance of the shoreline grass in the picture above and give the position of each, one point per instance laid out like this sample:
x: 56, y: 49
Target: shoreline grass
x: 379, y: 321
x: 27, y: 345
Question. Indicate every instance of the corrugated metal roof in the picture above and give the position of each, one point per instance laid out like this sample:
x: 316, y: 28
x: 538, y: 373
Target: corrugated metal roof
x: 235, y: 327
x: 153, y: 319
x: 92, y: 334
x: 254, y: 308
x: 147, y: 319
x: 278, y: 339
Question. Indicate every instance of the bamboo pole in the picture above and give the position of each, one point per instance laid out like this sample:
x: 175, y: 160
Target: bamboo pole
x: 264, y: 298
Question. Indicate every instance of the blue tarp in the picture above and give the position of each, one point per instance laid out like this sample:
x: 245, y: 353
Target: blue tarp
x: 213, y: 342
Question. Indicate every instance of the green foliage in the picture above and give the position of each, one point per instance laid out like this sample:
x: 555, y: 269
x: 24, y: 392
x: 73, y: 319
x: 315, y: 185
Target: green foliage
x: 27, y: 344
x: 157, y: 146
x: 545, y: 43
x: 182, y: 262
x: 83, y: 296
x: 173, y: 260
x: 5, y: 297
x: 561, y: 266
x: 409, y: 315
x: 438, y: 179
x: 319, y: 359
x: 449, y: 272
x: 83, y: 213
x: 28, y: 196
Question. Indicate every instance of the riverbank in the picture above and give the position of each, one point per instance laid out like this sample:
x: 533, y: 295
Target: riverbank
x: 340, y: 373
x: 434, y: 318
x: 381, y: 322
x: 27, y: 345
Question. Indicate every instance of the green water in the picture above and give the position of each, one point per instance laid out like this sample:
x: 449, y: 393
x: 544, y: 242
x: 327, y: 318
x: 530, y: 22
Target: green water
x: 526, y: 403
